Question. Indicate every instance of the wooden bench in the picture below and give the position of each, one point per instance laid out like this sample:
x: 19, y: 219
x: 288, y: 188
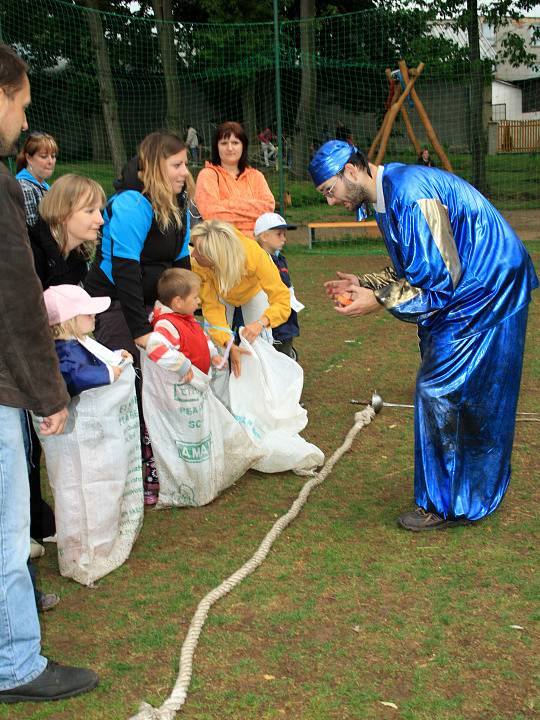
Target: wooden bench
x: 366, y: 227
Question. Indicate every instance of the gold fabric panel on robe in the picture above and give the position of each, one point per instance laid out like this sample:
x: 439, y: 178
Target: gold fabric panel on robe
x: 377, y: 280
x: 396, y: 293
x: 438, y: 221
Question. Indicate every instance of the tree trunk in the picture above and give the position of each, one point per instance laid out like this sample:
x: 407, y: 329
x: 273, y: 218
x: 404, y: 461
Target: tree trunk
x: 163, y: 12
x: 249, y: 113
x: 478, y: 145
x: 107, y: 94
x: 308, y: 92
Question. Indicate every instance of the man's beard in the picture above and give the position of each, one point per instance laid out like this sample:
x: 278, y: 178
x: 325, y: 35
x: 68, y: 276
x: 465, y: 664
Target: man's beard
x: 357, y: 194
x: 7, y: 148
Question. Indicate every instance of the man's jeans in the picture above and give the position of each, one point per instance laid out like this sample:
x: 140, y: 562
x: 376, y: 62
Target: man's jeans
x: 20, y: 659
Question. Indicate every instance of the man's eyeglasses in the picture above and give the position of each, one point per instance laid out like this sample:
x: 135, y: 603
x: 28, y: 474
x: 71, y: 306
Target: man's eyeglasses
x: 329, y: 192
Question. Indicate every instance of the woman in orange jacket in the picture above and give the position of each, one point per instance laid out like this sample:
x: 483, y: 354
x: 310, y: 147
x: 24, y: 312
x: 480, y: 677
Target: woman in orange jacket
x: 228, y: 188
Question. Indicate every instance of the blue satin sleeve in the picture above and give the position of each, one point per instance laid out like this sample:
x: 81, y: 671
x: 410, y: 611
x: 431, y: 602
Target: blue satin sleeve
x: 426, y: 279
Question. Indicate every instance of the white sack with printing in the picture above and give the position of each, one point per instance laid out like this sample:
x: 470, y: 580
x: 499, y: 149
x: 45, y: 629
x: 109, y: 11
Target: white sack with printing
x: 199, y: 448
x: 265, y: 399
x: 94, y: 469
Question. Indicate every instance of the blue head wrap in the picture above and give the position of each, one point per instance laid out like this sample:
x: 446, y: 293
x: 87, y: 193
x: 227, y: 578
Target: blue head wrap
x: 330, y: 159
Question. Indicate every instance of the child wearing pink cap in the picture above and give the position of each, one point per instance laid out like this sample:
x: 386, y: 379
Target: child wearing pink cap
x: 71, y: 313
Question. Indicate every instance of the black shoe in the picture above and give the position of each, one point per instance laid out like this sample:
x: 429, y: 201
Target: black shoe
x: 418, y: 520
x: 54, y: 683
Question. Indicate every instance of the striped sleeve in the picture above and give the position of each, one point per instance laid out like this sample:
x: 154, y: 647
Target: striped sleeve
x: 162, y: 348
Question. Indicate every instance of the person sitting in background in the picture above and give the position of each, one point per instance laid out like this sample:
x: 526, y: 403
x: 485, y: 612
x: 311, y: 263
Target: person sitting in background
x: 342, y: 131
x: 267, y: 147
x: 35, y: 164
x: 271, y: 234
x: 228, y: 188
x: 424, y: 158
x: 236, y: 272
x: 178, y: 341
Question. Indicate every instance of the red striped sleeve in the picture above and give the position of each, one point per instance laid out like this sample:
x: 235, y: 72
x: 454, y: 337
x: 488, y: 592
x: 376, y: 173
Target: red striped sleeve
x: 158, y: 352
x: 167, y: 329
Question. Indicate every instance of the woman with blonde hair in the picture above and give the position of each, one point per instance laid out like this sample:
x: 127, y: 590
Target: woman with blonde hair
x: 35, y: 164
x: 237, y: 272
x: 62, y: 240
x: 66, y: 231
x: 146, y: 231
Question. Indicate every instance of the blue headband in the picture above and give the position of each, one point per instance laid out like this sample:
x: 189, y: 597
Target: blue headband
x: 330, y: 159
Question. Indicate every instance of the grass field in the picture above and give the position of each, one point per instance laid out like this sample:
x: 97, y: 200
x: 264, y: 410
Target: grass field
x: 348, y: 612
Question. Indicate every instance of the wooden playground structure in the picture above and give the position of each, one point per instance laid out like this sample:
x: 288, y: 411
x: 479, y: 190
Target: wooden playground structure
x: 395, y: 105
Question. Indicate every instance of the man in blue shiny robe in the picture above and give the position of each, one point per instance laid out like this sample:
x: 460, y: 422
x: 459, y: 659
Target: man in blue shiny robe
x: 464, y: 277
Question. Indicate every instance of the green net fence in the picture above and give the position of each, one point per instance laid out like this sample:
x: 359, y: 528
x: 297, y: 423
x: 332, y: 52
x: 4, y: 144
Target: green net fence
x: 101, y: 81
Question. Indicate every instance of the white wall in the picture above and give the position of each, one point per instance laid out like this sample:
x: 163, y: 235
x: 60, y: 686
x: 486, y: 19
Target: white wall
x: 522, y: 28
x: 509, y: 95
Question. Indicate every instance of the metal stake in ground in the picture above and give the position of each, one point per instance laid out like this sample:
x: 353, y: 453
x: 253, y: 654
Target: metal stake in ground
x: 377, y: 403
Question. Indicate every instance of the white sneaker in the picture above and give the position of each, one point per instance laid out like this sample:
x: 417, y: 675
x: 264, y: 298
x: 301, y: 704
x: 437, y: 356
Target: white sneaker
x: 36, y: 549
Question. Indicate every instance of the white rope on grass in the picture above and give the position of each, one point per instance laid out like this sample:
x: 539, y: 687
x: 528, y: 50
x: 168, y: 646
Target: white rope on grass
x: 179, y: 693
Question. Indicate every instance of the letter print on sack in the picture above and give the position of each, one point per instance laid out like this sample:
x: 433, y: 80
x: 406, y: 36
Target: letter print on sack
x: 194, y: 452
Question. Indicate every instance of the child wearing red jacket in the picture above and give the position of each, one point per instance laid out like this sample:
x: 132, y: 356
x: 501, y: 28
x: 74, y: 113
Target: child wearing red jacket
x: 178, y: 341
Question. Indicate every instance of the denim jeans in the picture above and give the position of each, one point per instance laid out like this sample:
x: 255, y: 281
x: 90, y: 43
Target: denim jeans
x: 20, y: 658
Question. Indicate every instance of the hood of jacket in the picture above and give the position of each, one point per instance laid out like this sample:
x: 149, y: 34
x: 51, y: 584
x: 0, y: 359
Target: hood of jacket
x: 129, y: 178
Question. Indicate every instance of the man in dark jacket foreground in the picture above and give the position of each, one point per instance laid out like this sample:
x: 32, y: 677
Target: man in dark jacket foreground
x: 29, y: 380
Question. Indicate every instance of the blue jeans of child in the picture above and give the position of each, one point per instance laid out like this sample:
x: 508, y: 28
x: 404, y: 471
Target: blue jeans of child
x: 20, y: 639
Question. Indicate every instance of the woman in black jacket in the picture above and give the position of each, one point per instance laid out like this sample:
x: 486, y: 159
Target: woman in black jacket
x: 66, y: 232
x: 62, y: 239
x: 147, y: 226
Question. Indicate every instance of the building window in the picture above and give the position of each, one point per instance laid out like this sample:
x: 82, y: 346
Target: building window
x: 498, y: 112
x: 534, y: 32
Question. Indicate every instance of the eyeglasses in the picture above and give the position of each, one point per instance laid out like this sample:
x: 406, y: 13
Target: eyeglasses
x: 329, y: 192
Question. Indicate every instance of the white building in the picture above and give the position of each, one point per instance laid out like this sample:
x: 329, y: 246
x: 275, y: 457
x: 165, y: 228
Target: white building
x: 515, y: 90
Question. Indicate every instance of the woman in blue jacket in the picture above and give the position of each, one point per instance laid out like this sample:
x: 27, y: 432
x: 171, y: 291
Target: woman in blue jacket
x: 146, y: 231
